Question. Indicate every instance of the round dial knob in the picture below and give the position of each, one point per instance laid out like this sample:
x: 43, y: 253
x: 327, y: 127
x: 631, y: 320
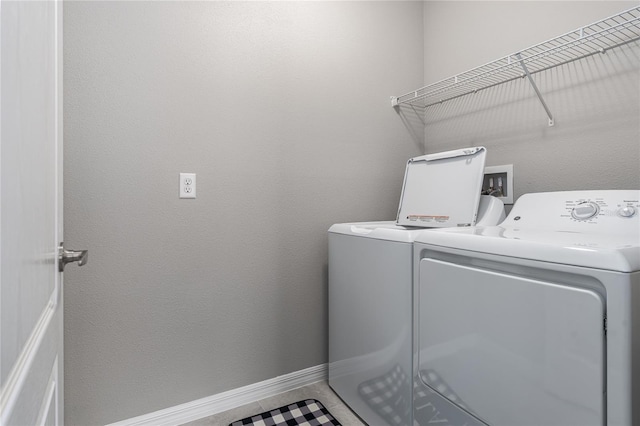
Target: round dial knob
x: 585, y: 211
x: 626, y: 211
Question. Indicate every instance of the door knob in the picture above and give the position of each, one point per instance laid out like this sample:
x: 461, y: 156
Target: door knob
x: 67, y: 256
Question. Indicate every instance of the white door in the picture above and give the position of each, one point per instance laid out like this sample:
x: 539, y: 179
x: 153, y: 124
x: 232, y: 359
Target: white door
x: 31, y: 213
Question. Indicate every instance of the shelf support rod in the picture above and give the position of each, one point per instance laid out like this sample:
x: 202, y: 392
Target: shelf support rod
x: 535, y: 87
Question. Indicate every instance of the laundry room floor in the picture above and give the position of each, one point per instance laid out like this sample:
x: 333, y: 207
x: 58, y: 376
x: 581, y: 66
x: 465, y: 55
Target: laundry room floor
x: 319, y: 391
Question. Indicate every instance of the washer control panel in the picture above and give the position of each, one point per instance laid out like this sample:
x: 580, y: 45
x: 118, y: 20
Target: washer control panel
x: 593, y: 209
x: 606, y: 211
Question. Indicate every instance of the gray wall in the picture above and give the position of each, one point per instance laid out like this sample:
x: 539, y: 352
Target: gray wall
x: 282, y: 109
x: 595, y: 143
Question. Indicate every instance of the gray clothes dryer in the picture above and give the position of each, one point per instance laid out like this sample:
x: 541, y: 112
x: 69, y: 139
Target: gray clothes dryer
x: 535, y: 321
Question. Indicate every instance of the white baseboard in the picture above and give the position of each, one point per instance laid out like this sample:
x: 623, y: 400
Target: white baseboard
x: 224, y: 401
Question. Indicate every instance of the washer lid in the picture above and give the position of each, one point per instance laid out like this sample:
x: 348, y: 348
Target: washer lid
x: 377, y: 230
x: 549, y: 227
x: 442, y: 190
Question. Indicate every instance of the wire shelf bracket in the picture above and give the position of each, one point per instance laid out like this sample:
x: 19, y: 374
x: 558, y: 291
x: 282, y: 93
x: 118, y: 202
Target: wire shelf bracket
x: 535, y: 88
x: 592, y: 39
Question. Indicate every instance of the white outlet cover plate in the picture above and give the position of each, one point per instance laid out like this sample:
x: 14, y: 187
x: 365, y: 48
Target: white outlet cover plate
x: 508, y: 169
x: 187, y: 185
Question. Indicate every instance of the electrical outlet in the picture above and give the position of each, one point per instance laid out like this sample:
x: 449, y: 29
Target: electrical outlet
x: 187, y: 185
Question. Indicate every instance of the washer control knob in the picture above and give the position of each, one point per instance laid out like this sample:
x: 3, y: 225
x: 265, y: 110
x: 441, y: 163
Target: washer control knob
x: 627, y: 211
x: 585, y: 211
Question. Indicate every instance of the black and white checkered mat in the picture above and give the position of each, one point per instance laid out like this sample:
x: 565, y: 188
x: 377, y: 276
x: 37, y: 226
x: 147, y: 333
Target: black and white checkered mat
x: 302, y: 413
x: 384, y: 394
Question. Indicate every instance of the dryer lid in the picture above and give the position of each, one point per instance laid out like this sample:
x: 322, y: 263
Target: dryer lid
x: 443, y: 189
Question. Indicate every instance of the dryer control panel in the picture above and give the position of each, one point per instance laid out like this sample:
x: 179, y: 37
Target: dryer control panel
x: 606, y: 211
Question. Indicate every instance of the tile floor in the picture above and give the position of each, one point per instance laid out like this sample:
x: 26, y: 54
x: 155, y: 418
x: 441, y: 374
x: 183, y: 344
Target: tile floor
x: 320, y: 391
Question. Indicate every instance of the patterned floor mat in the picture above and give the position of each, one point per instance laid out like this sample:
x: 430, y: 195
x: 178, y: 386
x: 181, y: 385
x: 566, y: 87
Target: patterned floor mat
x: 385, y: 395
x: 309, y: 412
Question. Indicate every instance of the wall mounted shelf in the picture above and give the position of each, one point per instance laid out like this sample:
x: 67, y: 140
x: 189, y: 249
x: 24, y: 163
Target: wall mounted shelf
x: 589, y: 40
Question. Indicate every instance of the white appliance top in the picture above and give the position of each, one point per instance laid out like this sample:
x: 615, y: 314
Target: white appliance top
x: 595, y: 229
x: 378, y: 230
x: 442, y: 190
x: 490, y: 212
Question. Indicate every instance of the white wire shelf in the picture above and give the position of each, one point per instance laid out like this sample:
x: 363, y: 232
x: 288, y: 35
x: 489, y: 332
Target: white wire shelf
x: 592, y: 39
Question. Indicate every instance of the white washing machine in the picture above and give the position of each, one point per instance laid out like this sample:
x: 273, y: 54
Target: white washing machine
x: 370, y: 315
x: 535, y: 321
x: 371, y: 278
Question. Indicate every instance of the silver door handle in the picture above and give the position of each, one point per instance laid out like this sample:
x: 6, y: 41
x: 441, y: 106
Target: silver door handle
x: 67, y: 256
